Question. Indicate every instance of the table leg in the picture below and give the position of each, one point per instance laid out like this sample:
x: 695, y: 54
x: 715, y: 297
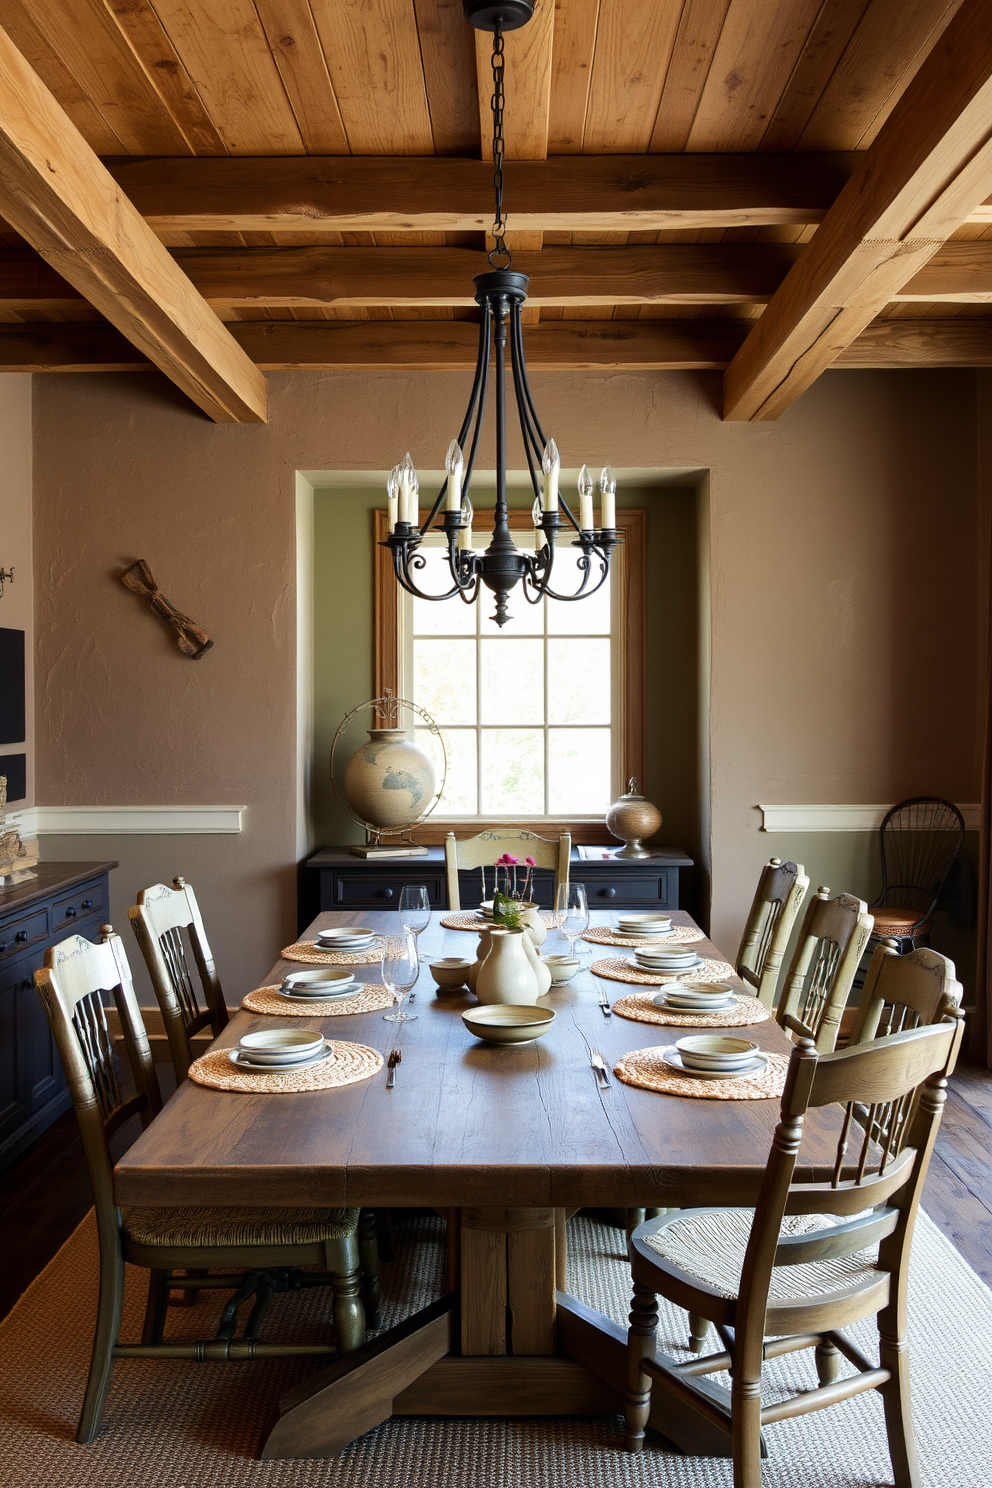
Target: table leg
x: 508, y: 1263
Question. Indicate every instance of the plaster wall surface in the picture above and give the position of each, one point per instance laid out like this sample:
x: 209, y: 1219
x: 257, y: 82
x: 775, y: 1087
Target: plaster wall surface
x: 843, y: 584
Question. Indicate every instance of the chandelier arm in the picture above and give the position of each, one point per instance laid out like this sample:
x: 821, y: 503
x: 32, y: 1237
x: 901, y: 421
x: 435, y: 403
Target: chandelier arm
x: 401, y: 568
x: 585, y: 564
x: 478, y: 384
x: 482, y: 374
x: 519, y: 378
x: 527, y: 392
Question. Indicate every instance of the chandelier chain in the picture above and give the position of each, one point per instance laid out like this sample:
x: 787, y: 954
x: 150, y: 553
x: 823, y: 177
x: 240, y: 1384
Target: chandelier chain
x: 499, y: 250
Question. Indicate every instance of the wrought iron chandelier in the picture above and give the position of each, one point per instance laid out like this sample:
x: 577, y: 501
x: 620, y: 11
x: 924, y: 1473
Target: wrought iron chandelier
x: 500, y: 295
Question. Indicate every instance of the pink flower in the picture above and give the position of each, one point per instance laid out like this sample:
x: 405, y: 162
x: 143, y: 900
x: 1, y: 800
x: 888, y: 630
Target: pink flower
x: 512, y: 861
x: 530, y: 862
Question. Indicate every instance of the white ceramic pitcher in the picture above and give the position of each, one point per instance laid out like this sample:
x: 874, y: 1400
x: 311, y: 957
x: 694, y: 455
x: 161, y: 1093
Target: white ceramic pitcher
x: 506, y: 974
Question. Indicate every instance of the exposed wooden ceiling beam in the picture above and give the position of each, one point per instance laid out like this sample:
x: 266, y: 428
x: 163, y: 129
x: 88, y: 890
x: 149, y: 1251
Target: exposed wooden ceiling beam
x: 592, y: 193
x: 669, y: 273
x: 929, y: 166
x: 65, y: 204
x: 563, y: 346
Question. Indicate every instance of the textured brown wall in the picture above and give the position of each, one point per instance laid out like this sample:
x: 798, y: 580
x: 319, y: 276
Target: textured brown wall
x: 843, y: 578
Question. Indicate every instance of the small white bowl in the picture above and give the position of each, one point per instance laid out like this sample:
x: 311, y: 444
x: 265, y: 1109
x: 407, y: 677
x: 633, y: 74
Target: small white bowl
x: 450, y: 971
x: 280, y: 1045
x: 345, y: 934
x: 708, y: 1051
x: 562, y: 968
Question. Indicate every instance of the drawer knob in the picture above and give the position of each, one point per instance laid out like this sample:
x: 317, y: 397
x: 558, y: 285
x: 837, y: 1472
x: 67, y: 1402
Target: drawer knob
x: 87, y: 904
x: 21, y: 935
x: 610, y: 893
x: 70, y: 913
x: 386, y: 893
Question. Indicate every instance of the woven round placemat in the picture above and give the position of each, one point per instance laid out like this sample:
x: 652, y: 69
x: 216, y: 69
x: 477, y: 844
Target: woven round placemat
x: 743, y: 1011
x: 618, y: 969
x: 306, y: 950
x: 270, y: 1000
x: 647, y: 1069
x: 679, y: 935
x: 348, y: 1064
x: 467, y: 919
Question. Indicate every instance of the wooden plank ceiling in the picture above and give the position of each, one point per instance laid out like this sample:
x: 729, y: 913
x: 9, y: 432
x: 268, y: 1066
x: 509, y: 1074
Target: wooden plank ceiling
x: 313, y: 166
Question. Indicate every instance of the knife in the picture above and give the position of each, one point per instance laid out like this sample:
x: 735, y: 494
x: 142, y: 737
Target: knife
x: 599, y: 1065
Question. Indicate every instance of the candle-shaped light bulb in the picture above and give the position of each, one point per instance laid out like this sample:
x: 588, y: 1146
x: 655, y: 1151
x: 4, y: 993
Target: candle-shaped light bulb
x: 536, y: 511
x: 409, y: 487
x: 584, y: 487
x: 551, y: 465
x: 393, y: 496
x: 465, y: 531
x: 607, y: 497
x: 454, y: 464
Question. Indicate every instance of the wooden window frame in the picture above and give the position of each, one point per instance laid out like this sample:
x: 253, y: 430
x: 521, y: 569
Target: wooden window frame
x: 632, y: 523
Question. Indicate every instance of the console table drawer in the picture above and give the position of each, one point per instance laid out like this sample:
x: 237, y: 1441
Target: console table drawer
x: 86, y: 902
x: 650, y: 889
x: 365, y: 891
x: 17, y: 934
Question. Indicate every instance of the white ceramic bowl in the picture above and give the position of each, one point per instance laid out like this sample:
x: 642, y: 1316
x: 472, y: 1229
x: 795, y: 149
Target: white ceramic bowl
x: 450, y: 971
x: 562, y: 968
x: 709, y: 1051
x: 645, y: 922
x: 281, y: 1045
x: 333, y: 977
x: 343, y: 934
x: 508, y: 1023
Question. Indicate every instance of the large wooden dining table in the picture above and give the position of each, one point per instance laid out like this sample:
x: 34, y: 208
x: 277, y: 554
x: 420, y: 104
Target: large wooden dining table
x: 505, y: 1142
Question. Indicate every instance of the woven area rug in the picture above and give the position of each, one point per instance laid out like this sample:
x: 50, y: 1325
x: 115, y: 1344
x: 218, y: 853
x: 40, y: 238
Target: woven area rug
x: 183, y: 1425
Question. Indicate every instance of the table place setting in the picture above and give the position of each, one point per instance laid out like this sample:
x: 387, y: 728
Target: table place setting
x: 343, y: 945
x: 475, y: 919
x: 643, y: 930
x: 277, y: 1060
x: 694, y: 1005
x: 706, y: 1067
x: 654, y: 970
x: 333, y: 992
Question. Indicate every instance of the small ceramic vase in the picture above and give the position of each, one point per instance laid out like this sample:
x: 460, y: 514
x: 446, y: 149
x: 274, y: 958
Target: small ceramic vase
x: 533, y: 922
x: 506, y: 974
x: 541, y: 971
x: 480, y: 956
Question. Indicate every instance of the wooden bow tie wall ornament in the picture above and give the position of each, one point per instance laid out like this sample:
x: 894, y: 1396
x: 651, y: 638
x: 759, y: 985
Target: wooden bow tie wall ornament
x: 193, y: 641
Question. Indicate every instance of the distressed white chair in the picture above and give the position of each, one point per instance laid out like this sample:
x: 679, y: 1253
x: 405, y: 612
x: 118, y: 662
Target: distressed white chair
x: 819, y: 980
x: 482, y: 851
x: 159, y: 920
x: 781, y: 890
x: 265, y: 1247
x: 903, y: 992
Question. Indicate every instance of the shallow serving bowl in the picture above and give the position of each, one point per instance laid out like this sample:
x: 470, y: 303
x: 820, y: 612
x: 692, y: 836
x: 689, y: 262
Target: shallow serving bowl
x: 709, y: 1051
x: 281, y: 1045
x: 309, y: 981
x: 343, y: 934
x: 562, y: 968
x: 645, y: 922
x: 450, y: 971
x: 508, y: 1023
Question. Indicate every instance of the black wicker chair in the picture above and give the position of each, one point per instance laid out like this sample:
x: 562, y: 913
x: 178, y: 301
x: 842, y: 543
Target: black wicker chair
x: 920, y: 840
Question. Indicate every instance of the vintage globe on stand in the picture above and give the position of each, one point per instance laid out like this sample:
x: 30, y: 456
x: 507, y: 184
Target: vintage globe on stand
x: 389, y: 784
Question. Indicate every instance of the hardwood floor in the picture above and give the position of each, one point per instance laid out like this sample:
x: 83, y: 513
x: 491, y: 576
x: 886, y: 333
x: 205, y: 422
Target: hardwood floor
x: 45, y: 1194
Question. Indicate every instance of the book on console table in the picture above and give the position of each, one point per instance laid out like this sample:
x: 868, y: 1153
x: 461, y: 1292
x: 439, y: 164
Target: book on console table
x: 399, y: 850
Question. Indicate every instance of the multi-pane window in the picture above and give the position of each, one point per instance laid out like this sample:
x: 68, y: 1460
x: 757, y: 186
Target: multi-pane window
x: 527, y: 712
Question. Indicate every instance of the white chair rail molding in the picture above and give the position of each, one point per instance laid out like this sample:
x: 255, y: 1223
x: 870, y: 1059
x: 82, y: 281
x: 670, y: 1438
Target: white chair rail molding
x: 127, y: 821
x: 851, y: 818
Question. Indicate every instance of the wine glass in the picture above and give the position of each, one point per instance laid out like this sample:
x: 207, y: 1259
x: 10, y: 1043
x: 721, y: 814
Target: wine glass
x: 400, y: 970
x: 415, y: 910
x: 572, y: 913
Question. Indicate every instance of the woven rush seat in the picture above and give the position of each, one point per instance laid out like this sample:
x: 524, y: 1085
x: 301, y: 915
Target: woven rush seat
x: 237, y: 1227
x: 709, y: 1246
x: 897, y: 922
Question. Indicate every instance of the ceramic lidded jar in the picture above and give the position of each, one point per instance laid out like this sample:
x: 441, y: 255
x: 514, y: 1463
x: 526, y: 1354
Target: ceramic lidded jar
x: 506, y: 975
x: 632, y: 818
x: 541, y: 971
x: 389, y: 782
x: 533, y: 922
x: 481, y: 954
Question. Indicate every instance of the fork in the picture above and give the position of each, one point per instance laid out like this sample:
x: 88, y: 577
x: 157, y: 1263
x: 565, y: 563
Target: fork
x: 395, y: 1057
x: 599, y: 1065
x: 604, y: 1003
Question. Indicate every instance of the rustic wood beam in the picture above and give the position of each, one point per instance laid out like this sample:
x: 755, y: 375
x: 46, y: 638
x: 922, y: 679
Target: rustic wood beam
x: 593, y: 193
x: 59, y: 196
x: 929, y: 166
x: 657, y: 274
x: 696, y: 345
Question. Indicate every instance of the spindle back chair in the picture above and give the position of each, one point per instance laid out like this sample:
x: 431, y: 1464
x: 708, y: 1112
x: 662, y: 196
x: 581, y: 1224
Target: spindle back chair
x: 903, y: 992
x: 810, y: 1259
x: 819, y: 980
x: 482, y: 850
x: 777, y: 900
x: 159, y: 920
x: 919, y: 840
x: 267, y: 1246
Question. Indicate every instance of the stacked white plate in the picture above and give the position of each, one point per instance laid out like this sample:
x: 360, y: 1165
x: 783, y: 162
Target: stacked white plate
x: 667, y: 958
x: 345, y: 938
x: 276, y: 1049
x: 716, y: 1057
x: 650, y: 926
x: 328, y: 985
x: 696, y: 997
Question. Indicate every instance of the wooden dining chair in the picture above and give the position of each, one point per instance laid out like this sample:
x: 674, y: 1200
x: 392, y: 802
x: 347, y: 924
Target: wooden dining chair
x: 777, y: 899
x: 809, y: 1259
x: 482, y: 851
x: 265, y: 1247
x: 819, y: 980
x: 903, y: 992
x: 159, y: 920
